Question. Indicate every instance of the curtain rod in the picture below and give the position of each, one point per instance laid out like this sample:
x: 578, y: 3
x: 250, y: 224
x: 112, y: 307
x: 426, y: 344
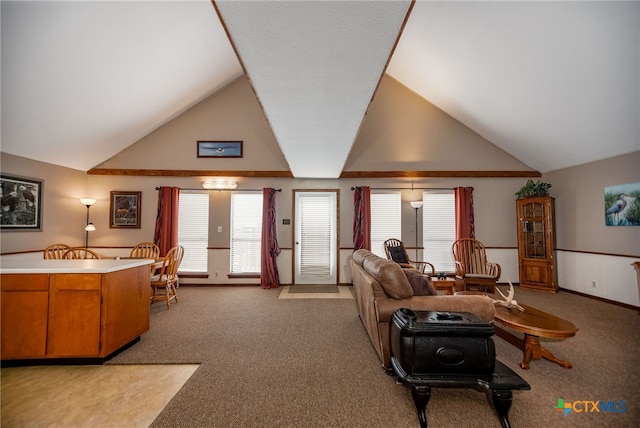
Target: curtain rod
x: 224, y: 190
x: 409, y: 188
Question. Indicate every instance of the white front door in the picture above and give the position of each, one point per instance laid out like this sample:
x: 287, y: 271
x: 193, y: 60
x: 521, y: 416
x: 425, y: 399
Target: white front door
x: 316, y: 236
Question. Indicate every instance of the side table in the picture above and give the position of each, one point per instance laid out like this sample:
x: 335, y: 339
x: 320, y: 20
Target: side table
x: 446, y: 285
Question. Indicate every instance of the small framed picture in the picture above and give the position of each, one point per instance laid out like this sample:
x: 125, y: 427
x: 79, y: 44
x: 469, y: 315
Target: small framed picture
x: 125, y: 210
x: 21, y: 203
x: 219, y: 149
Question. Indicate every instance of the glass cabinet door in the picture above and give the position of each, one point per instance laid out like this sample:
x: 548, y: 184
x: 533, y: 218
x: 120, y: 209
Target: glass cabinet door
x: 534, y: 231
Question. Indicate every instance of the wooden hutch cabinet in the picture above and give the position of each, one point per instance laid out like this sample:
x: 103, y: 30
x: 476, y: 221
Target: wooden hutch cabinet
x: 536, y: 243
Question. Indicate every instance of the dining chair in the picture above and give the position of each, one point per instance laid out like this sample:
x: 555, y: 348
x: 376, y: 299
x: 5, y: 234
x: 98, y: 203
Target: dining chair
x: 472, y: 266
x: 145, y: 250
x: 397, y: 252
x: 80, y: 253
x: 55, y: 251
x: 164, y: 283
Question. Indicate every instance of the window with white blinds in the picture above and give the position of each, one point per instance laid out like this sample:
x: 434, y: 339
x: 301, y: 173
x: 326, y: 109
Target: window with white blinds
x: 439, y: 228
x: 385, y: 220
x: 246, y: 232
x: 193, y: 230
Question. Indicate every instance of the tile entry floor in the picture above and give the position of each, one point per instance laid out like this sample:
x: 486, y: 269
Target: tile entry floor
x: 344, y: 292
x: 93, y: 396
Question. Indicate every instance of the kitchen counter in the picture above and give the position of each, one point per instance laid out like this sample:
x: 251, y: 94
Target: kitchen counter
x: 70, y: 266
x: 53, y: 309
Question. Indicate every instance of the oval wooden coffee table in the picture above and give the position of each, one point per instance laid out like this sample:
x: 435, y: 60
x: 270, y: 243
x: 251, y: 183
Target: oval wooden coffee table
x: 535, y: 324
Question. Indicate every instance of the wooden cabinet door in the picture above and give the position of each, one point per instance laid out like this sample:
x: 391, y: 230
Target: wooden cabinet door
x: 74, y: 315
x: 537, y: 274
x: 25, y: 302
x: 125, y: 307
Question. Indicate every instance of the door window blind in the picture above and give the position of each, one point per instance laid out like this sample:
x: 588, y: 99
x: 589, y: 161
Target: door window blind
x: 317, y: 226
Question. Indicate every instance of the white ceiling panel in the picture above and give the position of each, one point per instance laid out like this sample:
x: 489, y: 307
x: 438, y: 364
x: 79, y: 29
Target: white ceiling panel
x: 314, y: 67
x: 83, y: 80
x: 555, y: 84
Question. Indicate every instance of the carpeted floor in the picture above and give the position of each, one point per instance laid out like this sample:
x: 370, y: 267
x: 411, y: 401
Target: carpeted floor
x: 308, y: 362
x: 269, y: 362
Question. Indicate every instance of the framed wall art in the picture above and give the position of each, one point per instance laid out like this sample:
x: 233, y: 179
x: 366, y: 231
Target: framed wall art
x: 125, y: 210
x: 219, y: 149
x: 21, y: 203
x: 622, y: 205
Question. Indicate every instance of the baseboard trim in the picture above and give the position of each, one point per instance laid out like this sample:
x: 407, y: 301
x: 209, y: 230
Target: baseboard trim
x: 601, y: 299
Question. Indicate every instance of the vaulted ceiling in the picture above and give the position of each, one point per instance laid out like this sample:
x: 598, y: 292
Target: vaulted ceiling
x: 555, y: 84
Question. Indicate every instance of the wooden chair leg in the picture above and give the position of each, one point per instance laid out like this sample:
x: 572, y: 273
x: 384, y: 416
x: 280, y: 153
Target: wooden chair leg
x: 168, y: 297
x: 175, y: 292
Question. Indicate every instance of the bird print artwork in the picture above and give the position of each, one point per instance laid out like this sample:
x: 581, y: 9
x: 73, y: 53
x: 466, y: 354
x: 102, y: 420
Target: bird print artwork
x: 218, y: 149
x: 19, y: 203
x: 622, y: 205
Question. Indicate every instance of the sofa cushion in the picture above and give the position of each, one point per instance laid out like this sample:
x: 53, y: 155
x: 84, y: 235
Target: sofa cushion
x: 390, y: 276
x: 421, y: 284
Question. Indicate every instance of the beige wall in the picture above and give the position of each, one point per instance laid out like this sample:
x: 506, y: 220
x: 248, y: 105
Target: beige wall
x: 403, y: 131
x: 63, y: 217
x: 232, y: 113
x: 593, y: 258
x: 400, y: 132
x: 579, y: 193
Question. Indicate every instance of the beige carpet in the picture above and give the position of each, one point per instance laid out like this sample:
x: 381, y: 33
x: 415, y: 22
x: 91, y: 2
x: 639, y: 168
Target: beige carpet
x: 109, y: 396
x: 309, y: 363
x: 344, y: 292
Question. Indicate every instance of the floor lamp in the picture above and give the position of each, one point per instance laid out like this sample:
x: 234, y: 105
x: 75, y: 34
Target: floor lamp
x: 87, y: 202
x: 416, y: 206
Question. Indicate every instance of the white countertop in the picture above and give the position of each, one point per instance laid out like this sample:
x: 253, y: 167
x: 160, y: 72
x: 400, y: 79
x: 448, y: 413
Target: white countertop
x: 70, y: 266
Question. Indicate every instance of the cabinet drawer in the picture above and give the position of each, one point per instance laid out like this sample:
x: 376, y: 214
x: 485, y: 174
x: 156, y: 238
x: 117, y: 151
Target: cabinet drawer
x: 76, y: 281
x: 25, y: 282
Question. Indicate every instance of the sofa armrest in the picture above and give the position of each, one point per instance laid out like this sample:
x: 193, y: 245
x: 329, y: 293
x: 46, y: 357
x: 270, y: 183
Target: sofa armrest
x: 481, y: 306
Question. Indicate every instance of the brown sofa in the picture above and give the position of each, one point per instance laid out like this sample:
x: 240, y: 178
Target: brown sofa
x: 381, y: 287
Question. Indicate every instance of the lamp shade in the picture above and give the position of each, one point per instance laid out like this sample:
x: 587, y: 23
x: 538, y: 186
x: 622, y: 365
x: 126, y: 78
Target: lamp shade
x: 416, y: 204
x: 87, y: 201
x: 90, y: 228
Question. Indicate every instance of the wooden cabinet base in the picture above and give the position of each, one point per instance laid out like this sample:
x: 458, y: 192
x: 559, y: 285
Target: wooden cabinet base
x: 66, y: 361
x: 73, y: 315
